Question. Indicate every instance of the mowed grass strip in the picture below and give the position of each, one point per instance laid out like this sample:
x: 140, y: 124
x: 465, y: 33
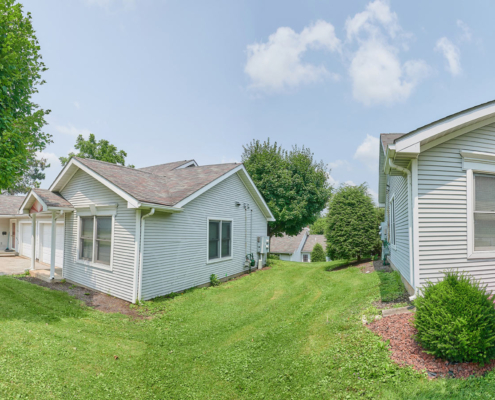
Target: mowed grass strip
x: 291, y: 332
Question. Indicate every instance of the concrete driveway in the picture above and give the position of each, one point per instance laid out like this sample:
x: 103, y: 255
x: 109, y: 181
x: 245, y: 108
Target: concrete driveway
x: 16, y: 265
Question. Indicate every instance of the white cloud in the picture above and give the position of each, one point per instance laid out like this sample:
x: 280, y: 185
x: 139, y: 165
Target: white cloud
x: 376, y: 71
x: 334, y: 182
x: 77, y: 105
x: 374, y: 195
x: 451, y: 53
x: 276, y: 65
x: 367, y: 152
x: 350, y: 183
x: 340, y: 164
x: 466, y: 35
x: 72, y: 130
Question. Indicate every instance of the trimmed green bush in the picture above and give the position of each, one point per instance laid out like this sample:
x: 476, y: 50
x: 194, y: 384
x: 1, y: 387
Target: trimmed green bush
x: 318, y: 254
x: 455, y: 319
x: 214, y: 280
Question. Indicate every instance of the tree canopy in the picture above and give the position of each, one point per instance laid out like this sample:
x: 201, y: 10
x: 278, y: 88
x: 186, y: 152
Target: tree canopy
x: 21, y: 120
x: 318, y: 254
x: 293, y: 184
x: 352, y: 227
x: 31, y: 179
x: 94, y: 149
x: 318, y: 227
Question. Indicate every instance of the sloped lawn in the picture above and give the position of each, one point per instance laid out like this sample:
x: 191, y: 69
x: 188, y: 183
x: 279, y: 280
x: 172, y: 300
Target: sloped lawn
x: 291, y: 332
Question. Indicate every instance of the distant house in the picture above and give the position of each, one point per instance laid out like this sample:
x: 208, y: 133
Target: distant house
x: 139, y: 233
x: 437, y: 185
x: 296, y: 248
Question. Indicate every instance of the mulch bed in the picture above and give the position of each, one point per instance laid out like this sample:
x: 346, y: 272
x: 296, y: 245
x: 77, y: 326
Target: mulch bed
x: 97, y: 300
x: 399, y: 330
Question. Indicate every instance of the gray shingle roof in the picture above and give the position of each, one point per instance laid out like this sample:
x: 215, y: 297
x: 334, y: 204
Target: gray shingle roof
x: 52, y: 199
x: 166, y: 189
x: 389, y: 138
x: 312, y: 240
x: 162, y: 169
x: 9, y: 205
x: 286, y: 244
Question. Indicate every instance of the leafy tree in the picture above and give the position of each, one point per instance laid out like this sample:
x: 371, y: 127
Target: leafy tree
x: 96, y: 150
x: 21, y: 120
x: 293, y: 184
x: 351, y: 223
x: 380, y: 217
x: 318, y: 228
x: 318, y: 254
x: 32, y: 178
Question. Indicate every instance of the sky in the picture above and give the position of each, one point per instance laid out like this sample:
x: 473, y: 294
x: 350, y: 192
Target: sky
x: 169, y: 80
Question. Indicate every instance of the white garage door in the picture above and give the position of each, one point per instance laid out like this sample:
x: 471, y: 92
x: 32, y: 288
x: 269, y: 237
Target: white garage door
x: 46, y: 243
x: 26, y: 240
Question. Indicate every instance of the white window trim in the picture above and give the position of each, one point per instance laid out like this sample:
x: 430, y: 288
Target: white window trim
x: 471, y: 253
x: 93, y: 263
x: 220, y: 259
x: 392, y: 222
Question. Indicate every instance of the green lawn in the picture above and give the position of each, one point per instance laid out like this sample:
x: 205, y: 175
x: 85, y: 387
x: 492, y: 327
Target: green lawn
x: 291, y: 332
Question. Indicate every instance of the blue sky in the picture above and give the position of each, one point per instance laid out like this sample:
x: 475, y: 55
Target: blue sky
x: 169, y: 80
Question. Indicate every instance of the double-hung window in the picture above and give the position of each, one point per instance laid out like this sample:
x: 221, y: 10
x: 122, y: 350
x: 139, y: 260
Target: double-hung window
x: 95, y: 240
x: 484, y: 212
x: 219, y: 239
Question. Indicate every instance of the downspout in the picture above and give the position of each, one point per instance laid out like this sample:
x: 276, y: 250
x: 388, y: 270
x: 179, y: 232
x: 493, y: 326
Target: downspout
x: 140, y: 277
x: 409, y: 217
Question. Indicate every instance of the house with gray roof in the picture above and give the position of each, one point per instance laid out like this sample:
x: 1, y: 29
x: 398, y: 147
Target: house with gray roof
x: 437, y: 185
x: 140, y: 233
x: 296, y: 248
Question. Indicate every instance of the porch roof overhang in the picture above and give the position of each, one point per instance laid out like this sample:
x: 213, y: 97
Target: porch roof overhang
x: 36, y: 203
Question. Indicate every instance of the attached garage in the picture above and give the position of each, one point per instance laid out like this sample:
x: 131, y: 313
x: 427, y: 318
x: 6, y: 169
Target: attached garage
x: 46, y: 242
x: 25, y: 245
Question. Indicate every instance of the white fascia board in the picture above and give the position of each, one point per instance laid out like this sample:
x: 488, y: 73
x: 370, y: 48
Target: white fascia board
x: 99, y: 178
x: 68, y: 209
x: 159, y: 207
x: 270, y: 217
x: 390, y: 154
x: 456, y: 121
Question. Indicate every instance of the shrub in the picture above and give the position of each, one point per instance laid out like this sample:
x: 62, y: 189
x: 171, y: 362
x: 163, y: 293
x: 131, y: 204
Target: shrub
x: 318, y: 254
x: 273, y: 257
x: 214, y: 280
x: 455, y: 319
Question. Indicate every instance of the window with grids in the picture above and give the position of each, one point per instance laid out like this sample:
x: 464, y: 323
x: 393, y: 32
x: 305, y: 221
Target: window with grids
x: 95, y: 240
x: 392, y: 221
x: 219, y: 239
x: 484, y: 212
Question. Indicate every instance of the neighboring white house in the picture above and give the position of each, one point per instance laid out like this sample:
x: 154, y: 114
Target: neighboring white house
x: 140, y: 233
x: 437, y: 184
x: 296, y: 248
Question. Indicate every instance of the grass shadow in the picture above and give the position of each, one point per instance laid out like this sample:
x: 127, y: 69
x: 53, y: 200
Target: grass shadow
x: 25, y: 301
x: 391, y: 287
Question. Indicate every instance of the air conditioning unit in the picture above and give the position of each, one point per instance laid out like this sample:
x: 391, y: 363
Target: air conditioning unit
x: 263, y: 244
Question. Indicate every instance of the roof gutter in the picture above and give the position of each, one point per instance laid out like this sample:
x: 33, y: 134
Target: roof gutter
x: 140, y: 274
x: 409, y: 217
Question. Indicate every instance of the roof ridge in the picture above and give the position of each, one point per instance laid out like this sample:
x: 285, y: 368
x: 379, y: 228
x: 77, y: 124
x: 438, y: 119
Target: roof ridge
x: 115, y: 165
x: 171, y: 162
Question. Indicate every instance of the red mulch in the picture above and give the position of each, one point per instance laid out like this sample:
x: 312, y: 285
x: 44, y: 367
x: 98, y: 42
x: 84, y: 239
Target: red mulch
x: 399, y: 329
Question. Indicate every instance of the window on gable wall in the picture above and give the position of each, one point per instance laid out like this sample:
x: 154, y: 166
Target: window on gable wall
x: 219, y: 239
x: 484, y: 212
x: 96, y: 244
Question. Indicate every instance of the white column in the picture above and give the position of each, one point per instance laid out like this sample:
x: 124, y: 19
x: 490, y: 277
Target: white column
x: 53, y: 245
x: 33, y: 241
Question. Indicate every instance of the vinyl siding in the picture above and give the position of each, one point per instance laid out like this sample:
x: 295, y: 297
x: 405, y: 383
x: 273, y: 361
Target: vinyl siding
x: 175, y: 245
x: 400, y: 255
x: 442, y: 208
x: 81, y: 191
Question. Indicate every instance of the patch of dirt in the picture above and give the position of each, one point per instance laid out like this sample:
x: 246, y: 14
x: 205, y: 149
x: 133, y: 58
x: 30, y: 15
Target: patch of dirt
x: 97, y: 300
x: 372, y: 266
x: 400, y: 331
x: 403, y: 300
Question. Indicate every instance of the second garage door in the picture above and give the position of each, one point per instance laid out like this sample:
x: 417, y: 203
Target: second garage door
x: 26, y: 240
x: 46, y: 242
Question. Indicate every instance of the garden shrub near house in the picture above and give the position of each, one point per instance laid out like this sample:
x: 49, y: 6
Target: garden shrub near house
x: 318, y: 254
x: 455, y: 319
